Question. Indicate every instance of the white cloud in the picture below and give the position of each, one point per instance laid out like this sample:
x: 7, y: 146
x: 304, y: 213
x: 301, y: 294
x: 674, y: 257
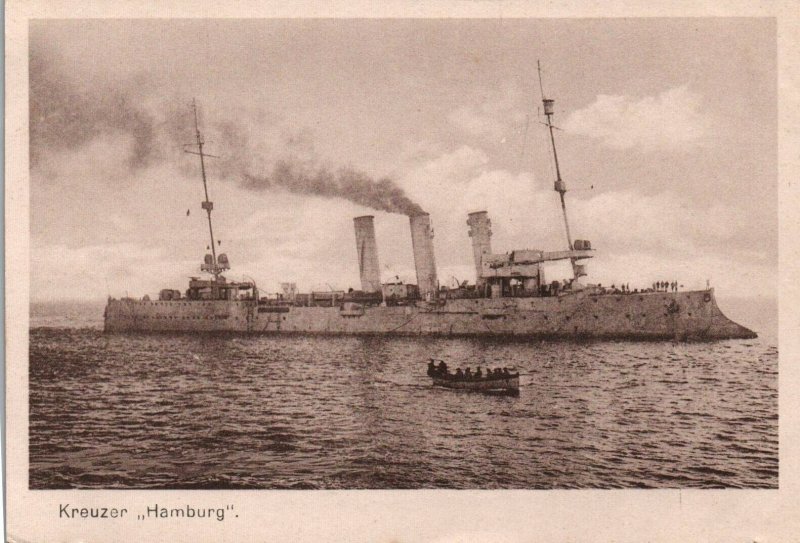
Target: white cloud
x: 639, y: 238
x: 139, y: 245
x: 662, y: 222
x: 495, y: 116
x: 90, y: 199
x: 274, y: 237
x: 731, y: 277
x: 671, y: 120
x: 95, y: 271
x: 457, y: 166
x: 439, y: 182
x: 476, y: 121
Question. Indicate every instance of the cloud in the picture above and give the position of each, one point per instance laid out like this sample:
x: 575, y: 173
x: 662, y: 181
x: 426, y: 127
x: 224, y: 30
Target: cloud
x: 476, y: 121
x: 493, y: 117
x: 638, y: 237
x: 95, y: 271
x: 671, y: 120
x: 730, y: 276
x: 456, y: 183
x: 110, y: 184
x: 664, y: 223
x: 457, y: 166
x: 141, y: 244
x: 311, y: 243
x: 69, y: 115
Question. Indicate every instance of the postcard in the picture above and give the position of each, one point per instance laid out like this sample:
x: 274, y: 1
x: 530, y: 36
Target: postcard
x: 458, y: 272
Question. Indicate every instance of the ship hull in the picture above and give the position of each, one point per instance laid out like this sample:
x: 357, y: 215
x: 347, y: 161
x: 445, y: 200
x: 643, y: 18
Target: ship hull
x: 692, y: 315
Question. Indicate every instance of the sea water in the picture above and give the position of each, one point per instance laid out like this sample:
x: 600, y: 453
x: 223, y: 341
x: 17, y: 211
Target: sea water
x: 236, y: 411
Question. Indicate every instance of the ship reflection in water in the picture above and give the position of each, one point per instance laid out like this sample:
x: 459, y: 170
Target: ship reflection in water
x: 186, y: 411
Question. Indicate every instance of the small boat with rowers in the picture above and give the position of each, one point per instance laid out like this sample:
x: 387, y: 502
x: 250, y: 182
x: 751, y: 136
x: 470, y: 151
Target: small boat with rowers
x: 493, y: 381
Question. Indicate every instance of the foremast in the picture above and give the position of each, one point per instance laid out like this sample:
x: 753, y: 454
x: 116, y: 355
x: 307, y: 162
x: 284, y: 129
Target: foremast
x: 211, y: 265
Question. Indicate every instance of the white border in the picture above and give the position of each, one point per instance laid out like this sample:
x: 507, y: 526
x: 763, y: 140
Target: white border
x: 405, y: 516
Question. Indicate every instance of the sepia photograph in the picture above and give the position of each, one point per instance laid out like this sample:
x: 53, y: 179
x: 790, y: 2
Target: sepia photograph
x: 403, y: 284
x: 494, y: 253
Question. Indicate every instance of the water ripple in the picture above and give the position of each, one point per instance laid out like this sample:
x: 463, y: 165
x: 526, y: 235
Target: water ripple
x: 191, y: 412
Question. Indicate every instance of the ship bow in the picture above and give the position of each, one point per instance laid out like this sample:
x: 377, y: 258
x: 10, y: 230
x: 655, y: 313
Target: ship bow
x: 724, y: 328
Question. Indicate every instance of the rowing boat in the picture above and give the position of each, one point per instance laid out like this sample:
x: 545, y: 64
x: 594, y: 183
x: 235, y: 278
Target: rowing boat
x: 500, y: 383
x: 508, y: 384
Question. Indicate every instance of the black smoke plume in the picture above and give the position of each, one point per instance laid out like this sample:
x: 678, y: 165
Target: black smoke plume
x: 65, y: 116
x: 66, y: 113
x: 381, y: 194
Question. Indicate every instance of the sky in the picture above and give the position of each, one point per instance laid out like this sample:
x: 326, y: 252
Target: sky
x: 667, y: 141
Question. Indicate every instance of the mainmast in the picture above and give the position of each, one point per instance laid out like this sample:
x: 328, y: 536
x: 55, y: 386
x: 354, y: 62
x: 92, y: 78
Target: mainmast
x: 213, y: 266
x: 560, y: 187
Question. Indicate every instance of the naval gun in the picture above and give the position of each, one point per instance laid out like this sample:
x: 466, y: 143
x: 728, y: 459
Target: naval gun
x: 521, y: 272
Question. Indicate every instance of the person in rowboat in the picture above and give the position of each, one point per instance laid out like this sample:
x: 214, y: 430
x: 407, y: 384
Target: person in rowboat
x: 431, y: 368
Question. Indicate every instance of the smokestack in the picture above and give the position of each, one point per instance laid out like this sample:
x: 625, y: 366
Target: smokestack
x: 424, y: 261
x: 367, y: 249
x: 481, y: 234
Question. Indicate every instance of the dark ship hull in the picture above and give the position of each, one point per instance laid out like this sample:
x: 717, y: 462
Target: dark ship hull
x: 692, y: 315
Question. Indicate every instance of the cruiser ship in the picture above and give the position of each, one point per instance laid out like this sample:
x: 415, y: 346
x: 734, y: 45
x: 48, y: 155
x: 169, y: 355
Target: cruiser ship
x: 511, y: 295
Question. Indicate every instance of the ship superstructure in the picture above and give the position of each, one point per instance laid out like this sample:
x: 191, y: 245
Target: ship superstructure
x: 511, y: 295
